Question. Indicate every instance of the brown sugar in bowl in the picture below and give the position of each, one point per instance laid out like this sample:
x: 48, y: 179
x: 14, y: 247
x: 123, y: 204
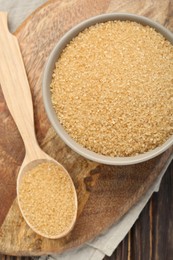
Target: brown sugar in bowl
x: 119, y: 125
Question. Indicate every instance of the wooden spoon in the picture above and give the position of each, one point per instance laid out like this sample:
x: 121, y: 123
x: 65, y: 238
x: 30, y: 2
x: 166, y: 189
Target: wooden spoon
x: 17, y: 94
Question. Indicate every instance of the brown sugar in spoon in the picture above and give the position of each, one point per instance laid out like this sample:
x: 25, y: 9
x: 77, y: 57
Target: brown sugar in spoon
x: 16, y: 90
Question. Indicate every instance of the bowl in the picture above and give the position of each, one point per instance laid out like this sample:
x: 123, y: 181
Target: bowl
x: 47, y: 78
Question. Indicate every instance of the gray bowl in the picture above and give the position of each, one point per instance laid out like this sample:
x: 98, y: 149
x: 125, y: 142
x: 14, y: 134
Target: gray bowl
x: 47, y: 77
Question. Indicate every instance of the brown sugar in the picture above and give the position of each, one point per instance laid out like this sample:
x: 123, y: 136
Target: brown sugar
x: 47, y: 199
x: 112, y: 88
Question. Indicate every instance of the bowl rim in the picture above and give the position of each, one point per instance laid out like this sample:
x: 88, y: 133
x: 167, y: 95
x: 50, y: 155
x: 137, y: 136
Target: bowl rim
x: 47, y: 77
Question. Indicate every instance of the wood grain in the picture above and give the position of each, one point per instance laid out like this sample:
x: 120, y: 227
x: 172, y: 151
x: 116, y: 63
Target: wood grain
x: 152, y: 235
x: 15, y: 87
x: 105, y: 193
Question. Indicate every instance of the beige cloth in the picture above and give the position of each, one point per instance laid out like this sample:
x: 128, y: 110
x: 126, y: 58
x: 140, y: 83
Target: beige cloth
x: 105, y: 243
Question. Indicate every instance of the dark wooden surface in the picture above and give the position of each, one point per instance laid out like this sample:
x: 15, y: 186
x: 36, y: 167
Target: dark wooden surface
x: 151, y: 237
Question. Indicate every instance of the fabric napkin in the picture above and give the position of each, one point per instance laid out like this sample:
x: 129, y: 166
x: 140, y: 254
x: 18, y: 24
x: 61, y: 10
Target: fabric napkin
x: 108, y: 241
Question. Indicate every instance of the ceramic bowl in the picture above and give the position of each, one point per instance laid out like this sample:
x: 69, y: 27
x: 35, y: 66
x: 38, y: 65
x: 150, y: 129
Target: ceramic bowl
x: 47, y: 77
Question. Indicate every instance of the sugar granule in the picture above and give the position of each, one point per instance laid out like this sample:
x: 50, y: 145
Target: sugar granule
x: 112, y: 88
x: 47, y: 199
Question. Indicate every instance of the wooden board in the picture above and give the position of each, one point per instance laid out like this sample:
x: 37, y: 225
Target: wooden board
x: 105, y: 193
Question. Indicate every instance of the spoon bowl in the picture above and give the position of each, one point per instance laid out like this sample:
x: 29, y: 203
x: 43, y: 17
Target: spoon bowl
x: 26, y: 167
x: 16, y: 90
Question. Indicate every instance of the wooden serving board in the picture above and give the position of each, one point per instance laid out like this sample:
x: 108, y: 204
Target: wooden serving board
x: 105, y: 193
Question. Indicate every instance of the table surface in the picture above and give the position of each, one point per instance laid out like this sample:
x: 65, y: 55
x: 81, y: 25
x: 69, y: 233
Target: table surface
x: 151, y: 237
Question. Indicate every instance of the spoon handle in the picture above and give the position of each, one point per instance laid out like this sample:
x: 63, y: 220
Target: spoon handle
x: 15, y: 86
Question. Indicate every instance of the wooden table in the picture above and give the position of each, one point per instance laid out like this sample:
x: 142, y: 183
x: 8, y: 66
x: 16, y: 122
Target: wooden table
x: 151, y: 237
